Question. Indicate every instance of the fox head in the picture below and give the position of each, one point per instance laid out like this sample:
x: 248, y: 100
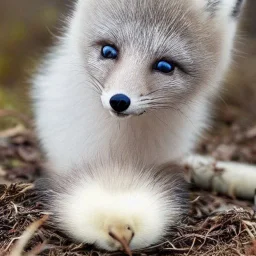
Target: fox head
x: 145, y: 55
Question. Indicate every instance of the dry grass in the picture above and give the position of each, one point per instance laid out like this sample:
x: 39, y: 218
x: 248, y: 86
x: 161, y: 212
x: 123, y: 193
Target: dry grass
x: 229, y: 233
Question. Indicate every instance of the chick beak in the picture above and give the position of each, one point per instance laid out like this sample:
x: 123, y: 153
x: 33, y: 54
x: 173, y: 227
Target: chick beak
x: 123, y: 241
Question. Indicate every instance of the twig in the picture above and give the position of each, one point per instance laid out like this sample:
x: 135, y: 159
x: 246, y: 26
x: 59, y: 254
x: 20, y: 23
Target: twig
x: 27, y: 235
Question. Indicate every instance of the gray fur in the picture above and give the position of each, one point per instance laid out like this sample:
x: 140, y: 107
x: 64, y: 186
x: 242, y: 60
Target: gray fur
x: 146, y: 35
x: 237, y: 8
x: 167, y: 111
x: 167, y: 180
x: 212, y: 6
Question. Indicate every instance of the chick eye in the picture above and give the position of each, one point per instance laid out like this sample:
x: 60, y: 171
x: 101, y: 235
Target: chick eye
x: 109, y: 52
x: 164, y: 66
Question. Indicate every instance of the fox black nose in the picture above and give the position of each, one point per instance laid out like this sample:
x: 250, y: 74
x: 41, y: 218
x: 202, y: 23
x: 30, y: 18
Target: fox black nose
x: 120, y: 102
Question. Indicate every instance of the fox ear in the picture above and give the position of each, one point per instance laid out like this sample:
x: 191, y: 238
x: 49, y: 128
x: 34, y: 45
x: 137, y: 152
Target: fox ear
x: 228, y: 8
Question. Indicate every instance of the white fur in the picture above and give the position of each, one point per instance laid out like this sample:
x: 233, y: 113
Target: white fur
x: 91, y: 201
x: 86, y: 210
x: 72, y: 90
x: 73, y: 125
x: 228, y: 178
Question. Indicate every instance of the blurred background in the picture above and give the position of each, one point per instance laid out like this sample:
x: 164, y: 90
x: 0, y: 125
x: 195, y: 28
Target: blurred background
x: 27, y: 28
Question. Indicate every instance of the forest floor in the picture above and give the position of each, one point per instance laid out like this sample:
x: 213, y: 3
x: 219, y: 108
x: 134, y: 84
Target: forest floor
x: 205, y: 231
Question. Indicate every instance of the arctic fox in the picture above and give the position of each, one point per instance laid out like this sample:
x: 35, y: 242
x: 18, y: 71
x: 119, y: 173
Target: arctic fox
x: 132, y: 78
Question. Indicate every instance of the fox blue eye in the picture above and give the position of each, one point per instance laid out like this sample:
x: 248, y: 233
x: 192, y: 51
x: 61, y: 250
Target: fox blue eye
x: 164, y: 66
x: 109, y: 52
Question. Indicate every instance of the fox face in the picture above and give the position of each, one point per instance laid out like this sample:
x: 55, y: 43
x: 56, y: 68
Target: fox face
x: 149, y: 55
